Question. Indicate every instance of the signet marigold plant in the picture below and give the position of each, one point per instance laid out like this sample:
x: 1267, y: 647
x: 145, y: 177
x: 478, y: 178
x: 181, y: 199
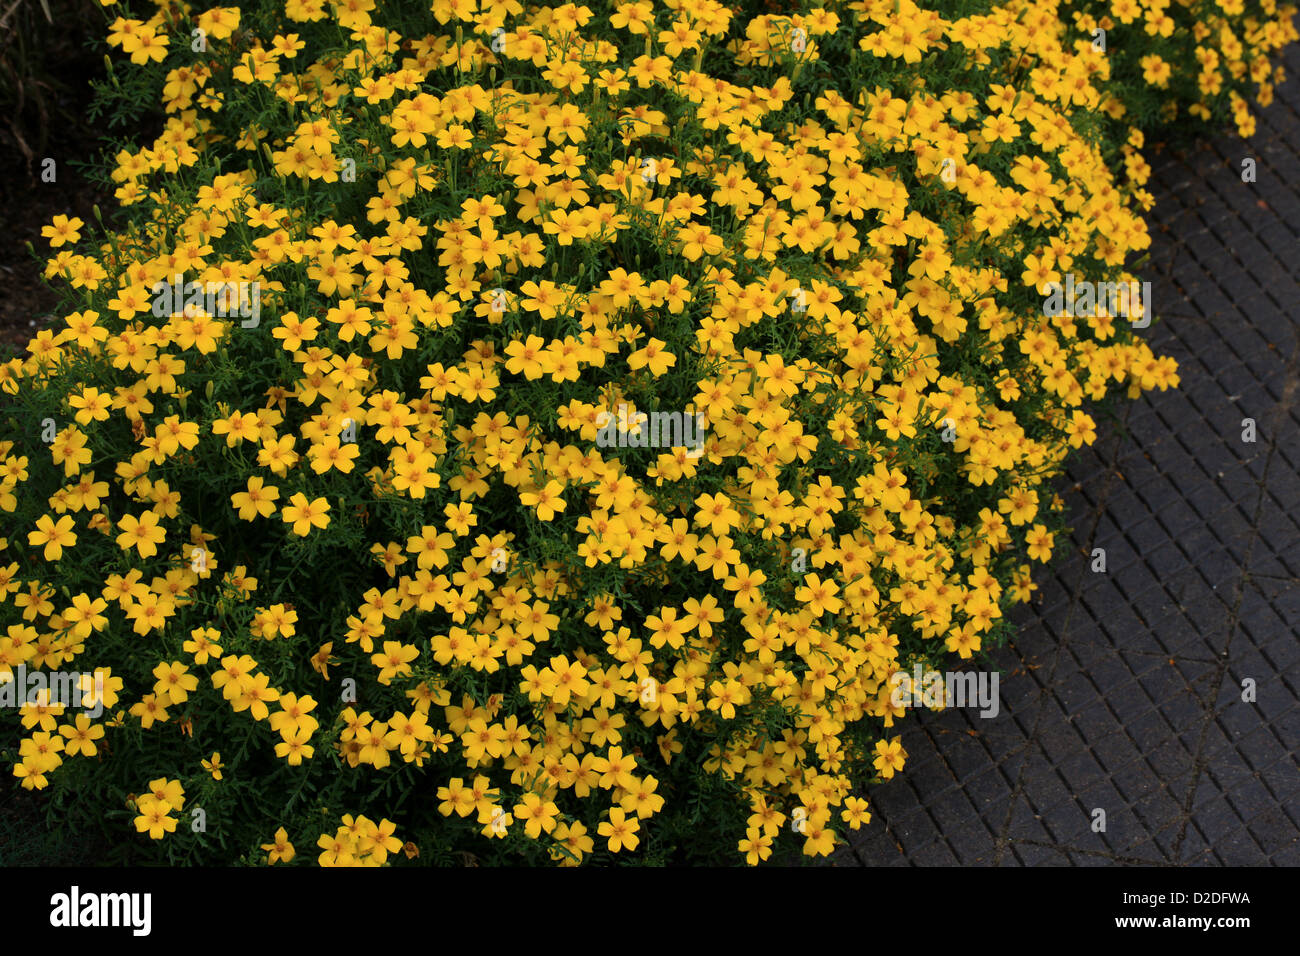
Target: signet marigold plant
x: 419, y: 534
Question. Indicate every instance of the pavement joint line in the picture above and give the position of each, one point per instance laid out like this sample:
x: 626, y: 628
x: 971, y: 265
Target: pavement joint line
x: 1113, y: 857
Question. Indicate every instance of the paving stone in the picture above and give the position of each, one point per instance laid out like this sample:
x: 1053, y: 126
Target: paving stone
x: 1031, y: 854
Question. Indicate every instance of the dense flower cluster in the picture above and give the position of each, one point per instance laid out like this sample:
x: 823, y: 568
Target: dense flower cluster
x: 372, y: 541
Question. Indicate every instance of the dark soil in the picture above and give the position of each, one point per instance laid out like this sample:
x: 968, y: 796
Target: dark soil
x: 45, y: 76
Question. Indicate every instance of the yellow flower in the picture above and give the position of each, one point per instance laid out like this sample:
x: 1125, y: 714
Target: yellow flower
x: 280, y: 849
x: 889, y: 757
x: 80, y: 736
x: 143, y: 534
x: 259, y: 499
x: 539, y: 815
x: 55, y: 536
x: 1039, y: 541
x: 174, y: 681
x: 305, y: 515
x: 621, y: 831
x: 153, y: 817
x: 294, y: 747
x: 653, y: 356
x: 214, y: 767
x: 547, y: 500
x: 820, y: 841
x: 394, y: 660
x: 855, y: 812
x: 145, y: 45
x: 62, y: 230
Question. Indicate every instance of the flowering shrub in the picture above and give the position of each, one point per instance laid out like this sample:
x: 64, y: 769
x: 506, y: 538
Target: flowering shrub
x: 1181, y: 61
x: 598, y: 407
